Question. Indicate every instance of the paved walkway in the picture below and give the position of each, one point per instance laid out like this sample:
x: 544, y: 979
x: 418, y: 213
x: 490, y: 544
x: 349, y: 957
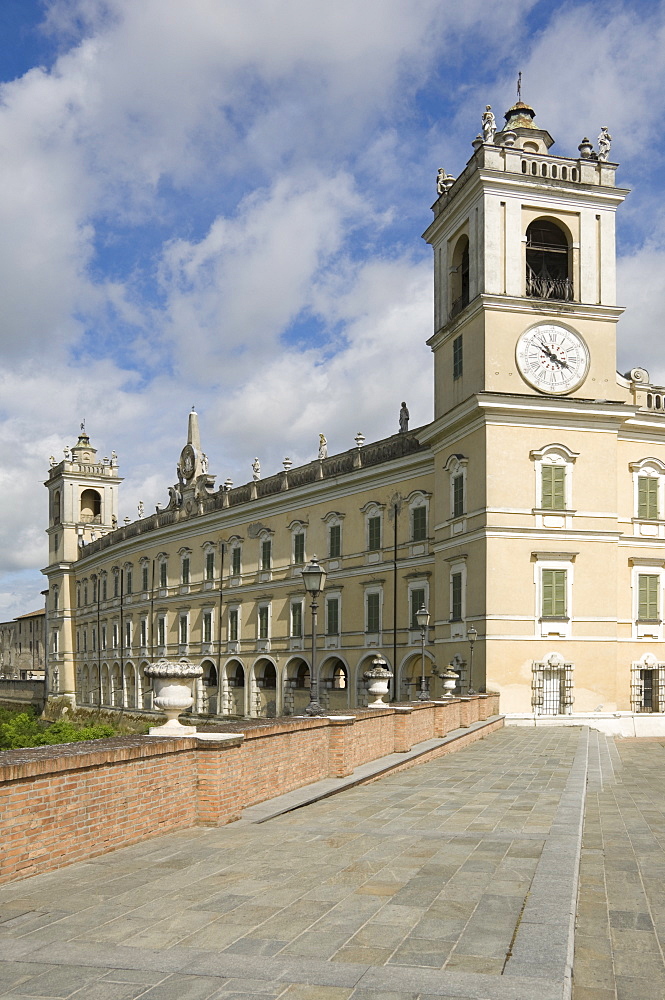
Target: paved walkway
x: 455, y: 878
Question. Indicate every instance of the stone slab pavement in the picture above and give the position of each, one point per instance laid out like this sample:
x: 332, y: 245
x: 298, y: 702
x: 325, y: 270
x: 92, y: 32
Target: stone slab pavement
x: 454, y: 878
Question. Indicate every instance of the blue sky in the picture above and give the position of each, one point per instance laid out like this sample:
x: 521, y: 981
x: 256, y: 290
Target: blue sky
x: 220, y: 203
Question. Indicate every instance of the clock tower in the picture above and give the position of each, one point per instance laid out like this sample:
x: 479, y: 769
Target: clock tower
x: 524, y: 278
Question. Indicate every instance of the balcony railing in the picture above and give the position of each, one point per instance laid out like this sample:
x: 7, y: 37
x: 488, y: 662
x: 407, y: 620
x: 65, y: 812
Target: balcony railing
x: 548, y: 288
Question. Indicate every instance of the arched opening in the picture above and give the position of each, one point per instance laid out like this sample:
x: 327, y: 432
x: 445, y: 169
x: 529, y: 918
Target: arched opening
x: 302, y: 676
x: 266, y: 679
x: 56, y: 507
x: 459, y: 277
x: 116, y: 686
x: 130, y: 686
x: 547, y: 261
x: 209, y: 688
x: 91, y: 507
x: 235, y: 673
x: 93, y: 692
x: 106, y: 685
x: 335, y: 676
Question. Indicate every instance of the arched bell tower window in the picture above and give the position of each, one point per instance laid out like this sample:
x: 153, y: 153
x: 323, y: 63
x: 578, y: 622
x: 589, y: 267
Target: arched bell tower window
x: 91, y: 507
x: 56, y: 507
x: 548, y: 261
x: 459, y: 276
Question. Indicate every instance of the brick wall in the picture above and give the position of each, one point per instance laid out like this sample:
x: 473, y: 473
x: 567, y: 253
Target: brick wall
x: 66, y: 803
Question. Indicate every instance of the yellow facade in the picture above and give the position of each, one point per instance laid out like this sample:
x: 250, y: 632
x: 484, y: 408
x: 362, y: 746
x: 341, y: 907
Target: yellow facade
x: 540, y: 484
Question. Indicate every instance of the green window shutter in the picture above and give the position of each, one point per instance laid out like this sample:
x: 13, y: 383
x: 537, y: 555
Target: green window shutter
x: 299, y: 548
x: 456, y: 597
x: 553, y: 487
x: 296, y: 620
x: 266, y: 553
x: 210, y: 565
x: 648, y: 597
x: 458, y: 496
x: 183, y: 629
x: 332, y: 607
x: 373, y: 613
x: 162, y: 574
x: 335, y: 540
x: 419, y: 524
x: 207, y: 627
x: 144, y: 578
x: 263, y: 622
x: 554, y: 593
x: 374, y: 533
x: 185, y: 570
x: 233, y: 625
x: 647, y: 497
x: 235, y: 561
x: 417, y: 602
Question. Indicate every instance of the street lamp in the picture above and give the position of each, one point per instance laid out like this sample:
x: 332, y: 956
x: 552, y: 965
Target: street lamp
x: 422, y: 617
x: 314, y: 579
x: 472, y: 635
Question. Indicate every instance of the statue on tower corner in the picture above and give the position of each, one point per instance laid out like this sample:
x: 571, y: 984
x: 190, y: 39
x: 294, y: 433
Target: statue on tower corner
x: 323, y: 446
x: 489, y: 124
x: 403, y: 419
x: 604, y: 143
x: 256, y: 470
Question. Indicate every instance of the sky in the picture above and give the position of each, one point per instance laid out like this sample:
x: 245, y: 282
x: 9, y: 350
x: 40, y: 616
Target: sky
x: 219, y: 204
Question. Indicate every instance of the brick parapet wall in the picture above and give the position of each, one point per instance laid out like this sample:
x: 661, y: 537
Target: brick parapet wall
x: 62, y: 804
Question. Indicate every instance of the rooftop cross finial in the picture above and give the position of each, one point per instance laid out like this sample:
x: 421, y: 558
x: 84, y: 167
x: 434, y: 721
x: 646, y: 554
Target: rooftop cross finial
x: 83, y: 426
x: 519, y: 86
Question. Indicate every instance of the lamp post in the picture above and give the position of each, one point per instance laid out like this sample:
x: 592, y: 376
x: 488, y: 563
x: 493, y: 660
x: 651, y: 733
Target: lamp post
x: 471, y: 635
x: 314, y: 579
x: 422, y: 617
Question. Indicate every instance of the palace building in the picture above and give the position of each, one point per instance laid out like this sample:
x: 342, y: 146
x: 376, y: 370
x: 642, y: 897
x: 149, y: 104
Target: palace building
x: 529, y: 515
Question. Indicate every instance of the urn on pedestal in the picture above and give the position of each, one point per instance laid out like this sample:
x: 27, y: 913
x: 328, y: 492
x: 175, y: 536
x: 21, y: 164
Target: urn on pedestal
x: 172, y: 685
x: 377, y: 678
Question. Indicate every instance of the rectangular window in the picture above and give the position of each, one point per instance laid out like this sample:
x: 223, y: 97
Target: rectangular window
x: 210, y: 565
x: 648, y: 585
x: 163, y: 570
x: 373, y: 606
x: 161, y: 631
x: 184, y: 630
x: 104, y: 587
x: 458, y: 496
x: 458, y: 363
x: 128, y: 635
x: 85, y: 596
x: 128, y: 581
x: 144, y: 633
x: 332, y: 616
x: 233, y: 624
x: 373, y: 533
x: 417, y: 602
x: 235, y: 561
x: 266, y: 554
x: 115, y: 635
x: 103, y: 636
x: 456, y: 597
x: 299, y: 548
x: 78, y: 642
x: 335, y: 540
x: 207, y: 626
x: 55, y: 642
x: 185, y: 570
x: 419, y: 524
x: 144, y: 577
x: 553, y: 487
x: 296, y: 619
x: 263, y: 621
x: 647, y: 497
x: 85, y: 640
x: 94, y: 640
x: 116, y: 583
x: 554, y: 593
x: 94, y: 591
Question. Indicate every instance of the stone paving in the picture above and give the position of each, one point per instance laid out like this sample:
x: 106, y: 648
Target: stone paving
x: 455, y: 878
x: 621, y: 912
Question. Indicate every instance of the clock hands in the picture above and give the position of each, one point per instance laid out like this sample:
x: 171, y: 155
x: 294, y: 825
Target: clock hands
x: 553, y: 357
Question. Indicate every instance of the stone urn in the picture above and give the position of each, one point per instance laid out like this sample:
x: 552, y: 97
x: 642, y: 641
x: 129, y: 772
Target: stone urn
x: 172, y: 682
x: 449, y: 680
x: 377, y: 679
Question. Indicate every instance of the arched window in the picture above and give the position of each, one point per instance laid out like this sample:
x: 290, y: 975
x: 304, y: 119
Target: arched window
x: 91, y: 507
x: 302, y: 676
x: 269, y: 676
x: 547, y: 261
x: 56, y: 507
x: 339, y: 679
x: 459, y: 277
x: 240, y: 676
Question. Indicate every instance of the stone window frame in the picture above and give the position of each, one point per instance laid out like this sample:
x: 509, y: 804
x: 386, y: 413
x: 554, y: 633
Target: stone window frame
x: 546, y: 626
x: 642, y: 628
x: 456, y: 465
x: 298, y: 528
x: 559, y: 455
x: 651, y: 468
x: 334, y: 519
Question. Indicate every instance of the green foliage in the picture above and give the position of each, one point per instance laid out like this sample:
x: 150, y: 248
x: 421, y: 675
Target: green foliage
x: 23, y: 729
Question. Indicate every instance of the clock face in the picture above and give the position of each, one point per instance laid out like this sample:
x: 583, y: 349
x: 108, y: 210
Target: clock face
x: 552, y: 358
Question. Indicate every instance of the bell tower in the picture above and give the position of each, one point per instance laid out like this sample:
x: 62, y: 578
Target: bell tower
x: 524, y: 252
x: 83, y: 505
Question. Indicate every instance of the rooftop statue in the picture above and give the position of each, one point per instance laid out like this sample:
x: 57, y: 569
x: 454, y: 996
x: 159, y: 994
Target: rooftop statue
x: 323, y: 446
x: 256, y: 470
x: 403, y: 419
x: 604, y: 143
x: 489, y: 124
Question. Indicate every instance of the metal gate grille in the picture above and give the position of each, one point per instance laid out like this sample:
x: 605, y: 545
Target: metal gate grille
x: 647, y: 687
x: 552, y: 687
